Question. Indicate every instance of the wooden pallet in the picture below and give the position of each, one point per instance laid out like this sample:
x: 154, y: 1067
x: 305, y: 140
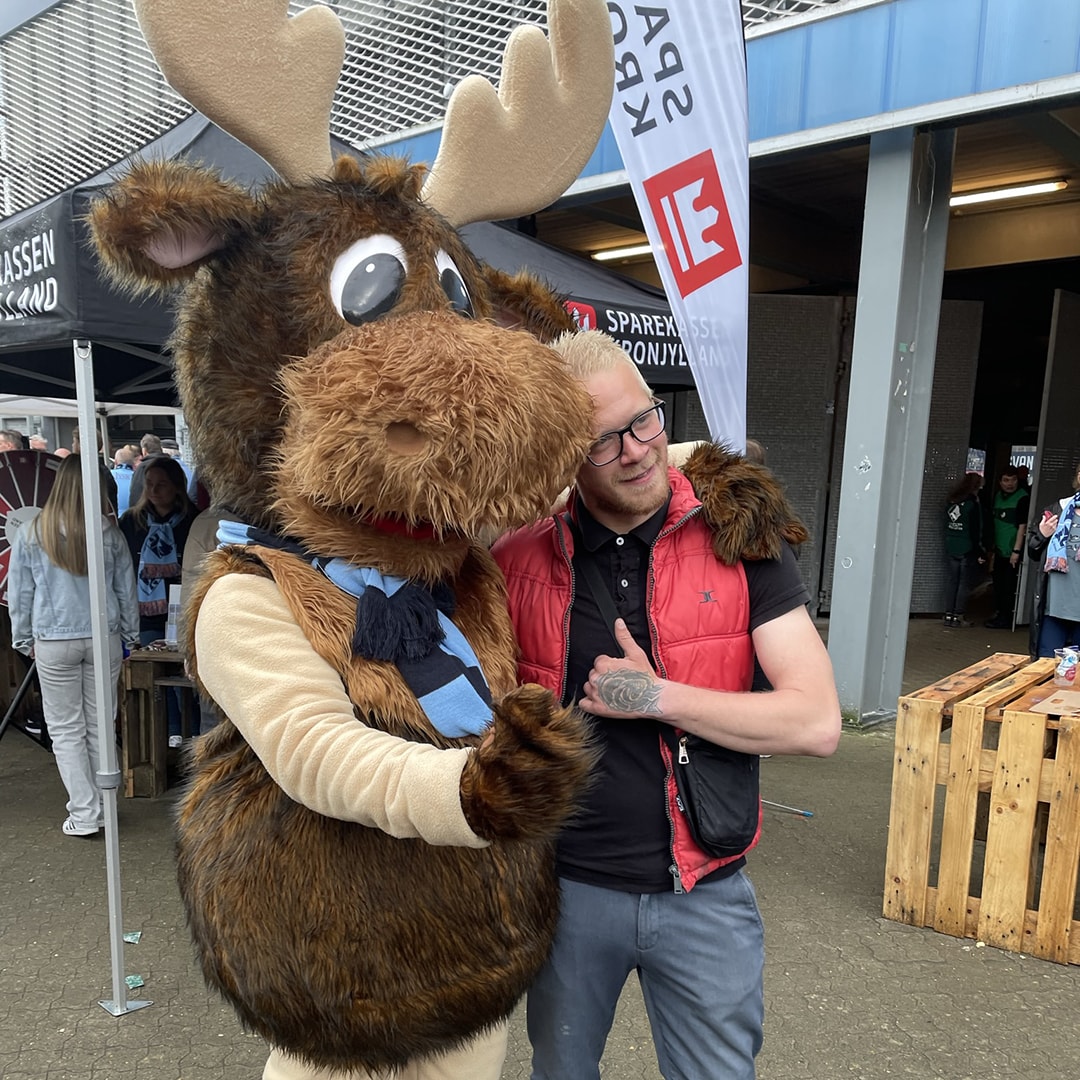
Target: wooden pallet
x: 1029, y: 764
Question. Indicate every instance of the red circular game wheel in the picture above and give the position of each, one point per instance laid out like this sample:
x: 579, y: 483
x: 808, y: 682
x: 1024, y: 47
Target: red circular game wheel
x: 26, y: 478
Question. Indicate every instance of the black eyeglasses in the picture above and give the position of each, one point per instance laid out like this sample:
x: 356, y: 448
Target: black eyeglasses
x: 644, y: 427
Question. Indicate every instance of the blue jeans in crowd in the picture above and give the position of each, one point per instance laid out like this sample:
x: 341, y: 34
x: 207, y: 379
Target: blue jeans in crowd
x: 699, y: 957
x: 961, y: 575
x: 1056, y: 633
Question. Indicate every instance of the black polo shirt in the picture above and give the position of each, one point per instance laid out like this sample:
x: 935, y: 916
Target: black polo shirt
x: 621, y: 836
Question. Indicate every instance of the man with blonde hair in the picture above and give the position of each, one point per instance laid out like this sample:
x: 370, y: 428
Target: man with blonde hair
x: 672, y: 659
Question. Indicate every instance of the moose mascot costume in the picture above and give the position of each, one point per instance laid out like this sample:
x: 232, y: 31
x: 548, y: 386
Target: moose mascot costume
x: 364, y: 846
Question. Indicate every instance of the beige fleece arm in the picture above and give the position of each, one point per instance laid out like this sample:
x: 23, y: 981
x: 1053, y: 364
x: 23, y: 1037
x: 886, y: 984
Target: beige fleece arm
x: 291, y: 707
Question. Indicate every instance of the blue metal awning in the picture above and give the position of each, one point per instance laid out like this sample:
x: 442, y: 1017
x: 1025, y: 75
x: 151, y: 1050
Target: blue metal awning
x: 864, y: 67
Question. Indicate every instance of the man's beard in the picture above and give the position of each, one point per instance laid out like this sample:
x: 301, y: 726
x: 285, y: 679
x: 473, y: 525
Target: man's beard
x: 636, y: 502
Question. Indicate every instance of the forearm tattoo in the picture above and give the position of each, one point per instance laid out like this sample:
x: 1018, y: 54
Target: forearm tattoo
x: 630, y: 692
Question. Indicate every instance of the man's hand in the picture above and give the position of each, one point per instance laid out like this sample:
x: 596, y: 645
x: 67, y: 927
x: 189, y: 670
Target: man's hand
x: 627, y: 687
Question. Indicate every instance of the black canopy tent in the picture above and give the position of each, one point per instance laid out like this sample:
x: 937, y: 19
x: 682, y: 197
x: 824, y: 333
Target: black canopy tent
x: 52, y: 294
x: 635, y: 314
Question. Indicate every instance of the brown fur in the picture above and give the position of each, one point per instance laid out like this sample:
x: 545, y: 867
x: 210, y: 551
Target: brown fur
x: 491, y: 408
x: 338, y: 943
x: 743, y: 503
x: 162, y: 198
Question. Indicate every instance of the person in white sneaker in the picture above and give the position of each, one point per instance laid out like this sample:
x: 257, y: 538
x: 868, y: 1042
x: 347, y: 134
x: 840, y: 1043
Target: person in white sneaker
x: 49, y: 604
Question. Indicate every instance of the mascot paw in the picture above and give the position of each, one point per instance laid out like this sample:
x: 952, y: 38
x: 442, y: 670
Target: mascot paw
x: 525, y: 779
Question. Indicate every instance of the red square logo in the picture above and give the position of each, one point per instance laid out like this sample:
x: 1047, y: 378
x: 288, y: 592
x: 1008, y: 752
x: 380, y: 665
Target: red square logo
x: 688, y: 205
x: 584, y: 314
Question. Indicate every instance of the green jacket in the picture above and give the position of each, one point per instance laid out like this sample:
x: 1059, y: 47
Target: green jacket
x: 1010, y: 512
x: 963, y: 528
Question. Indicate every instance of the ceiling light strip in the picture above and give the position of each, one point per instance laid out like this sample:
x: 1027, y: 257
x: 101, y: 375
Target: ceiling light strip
x: 1019, y: 191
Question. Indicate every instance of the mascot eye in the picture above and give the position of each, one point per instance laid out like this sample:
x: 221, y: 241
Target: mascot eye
x: 367, y: 278
x: 453, y: 285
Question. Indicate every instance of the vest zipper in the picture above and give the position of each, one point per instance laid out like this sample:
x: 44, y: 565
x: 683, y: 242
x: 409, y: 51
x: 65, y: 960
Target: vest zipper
x: 569, y: 608
x: 662, y: 671
x: 653, y: 636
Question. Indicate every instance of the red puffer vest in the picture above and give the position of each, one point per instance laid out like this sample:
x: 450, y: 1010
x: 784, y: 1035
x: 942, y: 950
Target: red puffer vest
x: 699, y: 619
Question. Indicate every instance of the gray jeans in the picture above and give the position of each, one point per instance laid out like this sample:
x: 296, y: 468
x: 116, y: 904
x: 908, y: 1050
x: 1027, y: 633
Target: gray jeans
x: 699, y: 957
x: 66, y: 673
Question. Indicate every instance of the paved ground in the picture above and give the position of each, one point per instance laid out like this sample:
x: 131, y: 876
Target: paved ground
x: 850, y: 995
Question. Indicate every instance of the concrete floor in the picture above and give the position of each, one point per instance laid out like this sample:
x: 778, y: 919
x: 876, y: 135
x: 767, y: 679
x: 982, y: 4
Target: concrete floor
x: 849, y: 995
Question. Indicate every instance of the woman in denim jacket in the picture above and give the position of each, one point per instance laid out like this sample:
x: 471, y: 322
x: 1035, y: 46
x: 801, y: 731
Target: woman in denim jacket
x: 49, y: 603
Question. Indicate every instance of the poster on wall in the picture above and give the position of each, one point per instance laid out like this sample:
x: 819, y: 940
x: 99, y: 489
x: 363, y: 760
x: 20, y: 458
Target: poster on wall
x: 1023, y: 457
x: 976, y: 461
x: 679, y: 116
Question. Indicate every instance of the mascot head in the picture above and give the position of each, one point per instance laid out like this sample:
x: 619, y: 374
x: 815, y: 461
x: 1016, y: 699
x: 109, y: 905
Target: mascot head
x: 341, y: 356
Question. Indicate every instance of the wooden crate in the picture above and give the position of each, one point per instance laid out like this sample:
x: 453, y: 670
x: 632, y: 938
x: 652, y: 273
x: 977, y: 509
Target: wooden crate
x: 974, y: 732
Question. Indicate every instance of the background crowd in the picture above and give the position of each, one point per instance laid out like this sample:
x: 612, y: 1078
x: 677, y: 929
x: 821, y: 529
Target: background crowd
x: 146, y: 516
x: 994, y: 538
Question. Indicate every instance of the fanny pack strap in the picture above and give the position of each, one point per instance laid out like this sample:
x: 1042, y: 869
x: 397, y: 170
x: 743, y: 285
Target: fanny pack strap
x: 601, y: 593
x: 595, y: 584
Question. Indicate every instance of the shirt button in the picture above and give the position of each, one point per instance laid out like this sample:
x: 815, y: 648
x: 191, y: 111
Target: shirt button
x: 624, y: 583
x: 620, y: 540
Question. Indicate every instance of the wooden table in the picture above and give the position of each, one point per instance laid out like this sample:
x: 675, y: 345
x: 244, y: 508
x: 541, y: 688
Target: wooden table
x: 143, y: 719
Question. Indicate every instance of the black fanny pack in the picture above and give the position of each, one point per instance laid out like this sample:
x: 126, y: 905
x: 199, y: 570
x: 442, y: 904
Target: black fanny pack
x: 718, y: 792
x: 717, y: 787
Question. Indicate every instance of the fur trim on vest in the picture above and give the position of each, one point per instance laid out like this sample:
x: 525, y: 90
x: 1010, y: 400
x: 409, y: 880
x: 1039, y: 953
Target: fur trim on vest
x: 743, y: 503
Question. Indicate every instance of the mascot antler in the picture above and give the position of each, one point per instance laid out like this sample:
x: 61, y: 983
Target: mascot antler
x: 536, y: 134
x: 502, y: 154
x: 248, y: 67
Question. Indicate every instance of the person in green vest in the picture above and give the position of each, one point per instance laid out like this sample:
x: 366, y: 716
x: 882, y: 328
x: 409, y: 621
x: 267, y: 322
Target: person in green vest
x: 963, y: 546
x: 1009, y: 514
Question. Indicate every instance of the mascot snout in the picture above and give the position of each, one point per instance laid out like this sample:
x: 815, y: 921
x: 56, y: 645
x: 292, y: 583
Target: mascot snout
x: 444, y: 415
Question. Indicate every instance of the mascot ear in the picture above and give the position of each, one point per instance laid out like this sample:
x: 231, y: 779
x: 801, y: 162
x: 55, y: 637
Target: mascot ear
x: 163, y: 220
x: 523, y: 302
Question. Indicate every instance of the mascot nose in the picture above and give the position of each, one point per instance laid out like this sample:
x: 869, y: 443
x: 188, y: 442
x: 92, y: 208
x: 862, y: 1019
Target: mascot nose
x: 403, y: 438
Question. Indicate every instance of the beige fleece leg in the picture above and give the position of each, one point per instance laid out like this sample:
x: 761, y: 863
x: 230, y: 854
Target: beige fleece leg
x: 482, y: 1059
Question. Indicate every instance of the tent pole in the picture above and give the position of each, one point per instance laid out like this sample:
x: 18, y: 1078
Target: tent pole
x: 103, y: 427
x: 109, y: 773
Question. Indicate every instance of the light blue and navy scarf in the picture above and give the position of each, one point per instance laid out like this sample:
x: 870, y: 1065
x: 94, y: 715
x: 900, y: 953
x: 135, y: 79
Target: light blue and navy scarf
x: 404, y: 624
x: 1057, y: 553
x: 158, y: 562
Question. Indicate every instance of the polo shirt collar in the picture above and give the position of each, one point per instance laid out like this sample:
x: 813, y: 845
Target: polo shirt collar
x: 594, y: 535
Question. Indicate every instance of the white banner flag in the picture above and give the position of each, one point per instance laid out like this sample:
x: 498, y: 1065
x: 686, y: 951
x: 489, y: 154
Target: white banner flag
x: 679, y: 116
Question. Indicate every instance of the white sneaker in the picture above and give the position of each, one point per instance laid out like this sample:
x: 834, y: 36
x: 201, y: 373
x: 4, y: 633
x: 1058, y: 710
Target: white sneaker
x: 69, y: 828
x: 176, y: 741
